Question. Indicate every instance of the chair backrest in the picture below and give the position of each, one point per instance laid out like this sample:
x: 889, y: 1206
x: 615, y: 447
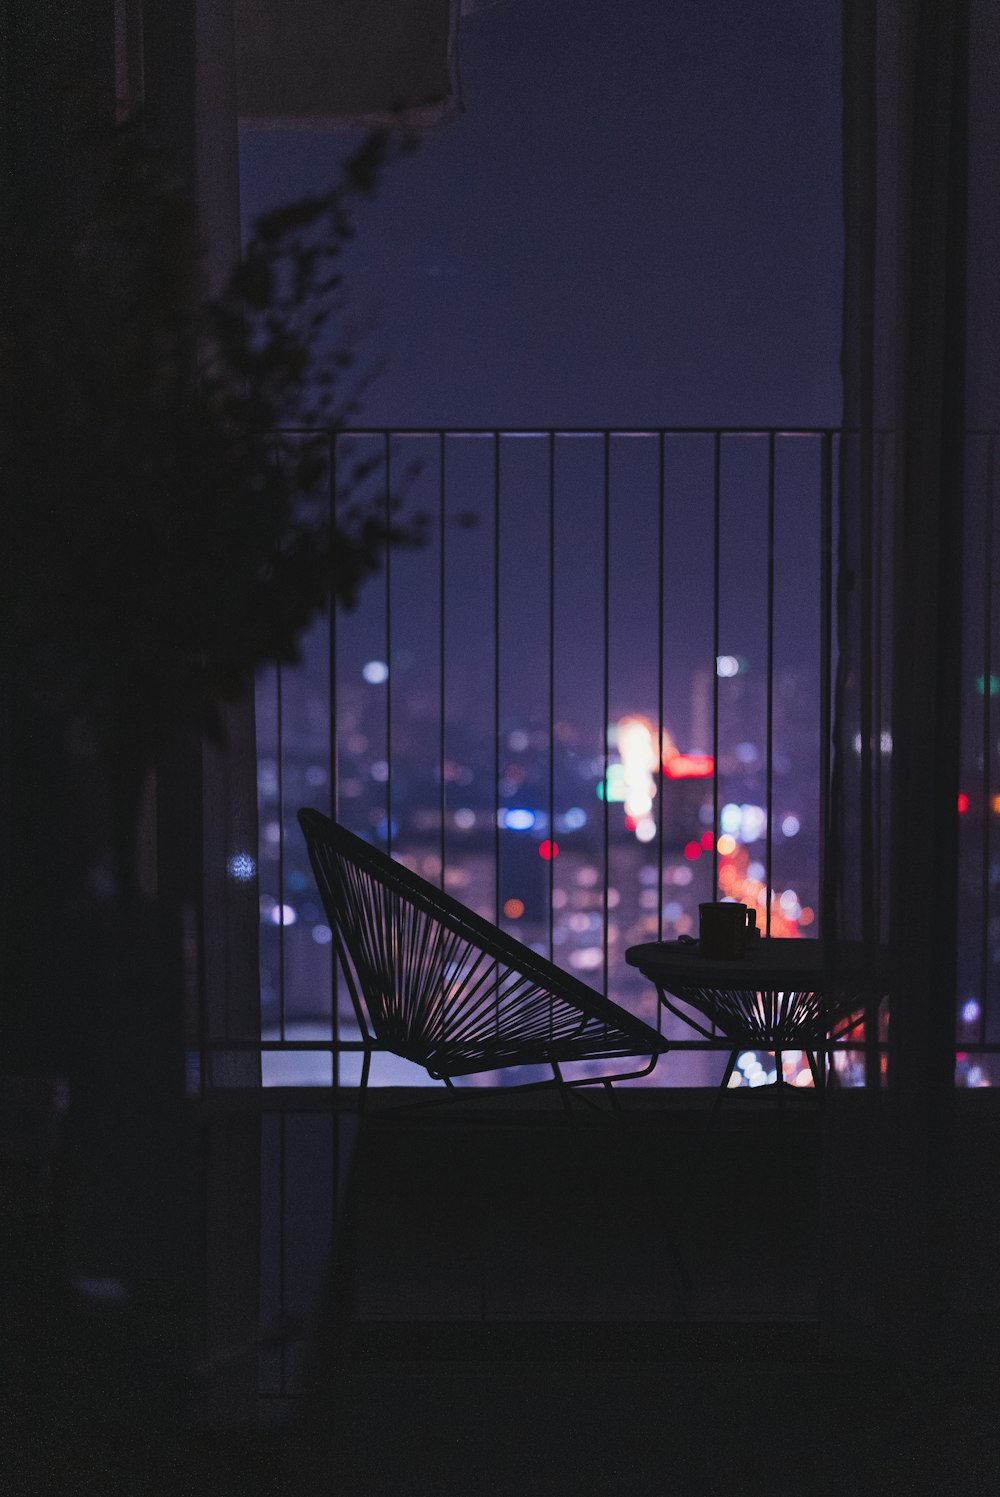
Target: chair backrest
x: 446, y: 988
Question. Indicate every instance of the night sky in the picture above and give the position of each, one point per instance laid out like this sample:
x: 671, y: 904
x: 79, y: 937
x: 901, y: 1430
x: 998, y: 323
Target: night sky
x: 635, y: 222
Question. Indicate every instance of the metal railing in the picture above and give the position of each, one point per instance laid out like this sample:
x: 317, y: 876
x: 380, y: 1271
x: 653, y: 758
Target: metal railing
x: 573, y: 580
x: 574, y: 583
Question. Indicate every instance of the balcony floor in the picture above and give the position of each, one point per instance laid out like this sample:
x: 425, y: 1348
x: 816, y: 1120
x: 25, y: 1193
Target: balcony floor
x: 500, y: 1317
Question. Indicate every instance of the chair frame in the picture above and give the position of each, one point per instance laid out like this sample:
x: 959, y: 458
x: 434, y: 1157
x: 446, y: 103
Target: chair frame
x: 330, y: 844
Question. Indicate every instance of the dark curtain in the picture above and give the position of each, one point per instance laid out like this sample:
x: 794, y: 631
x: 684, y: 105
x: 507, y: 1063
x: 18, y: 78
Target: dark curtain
x: 919, y: 370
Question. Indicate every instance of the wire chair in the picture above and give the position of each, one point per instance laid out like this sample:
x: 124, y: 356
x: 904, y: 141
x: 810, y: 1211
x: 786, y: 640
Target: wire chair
x: 436, y: 984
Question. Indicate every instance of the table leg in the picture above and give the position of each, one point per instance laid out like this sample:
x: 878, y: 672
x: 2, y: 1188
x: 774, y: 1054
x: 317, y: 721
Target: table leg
x: 818, y: 1071
x: 706, y: 1137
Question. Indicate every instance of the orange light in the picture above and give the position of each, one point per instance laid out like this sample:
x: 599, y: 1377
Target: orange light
x: 726, y: 845
x: 806, y: 915
x: 995, y: 805
x: 548, y: 850
x: 513, y: 908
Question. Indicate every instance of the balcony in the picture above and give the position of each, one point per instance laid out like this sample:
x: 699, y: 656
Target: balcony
x: 583, y: 597
x: 490, y: 715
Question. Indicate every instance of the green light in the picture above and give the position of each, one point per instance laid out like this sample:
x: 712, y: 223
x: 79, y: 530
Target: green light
x: 994, y: 685
x: 615, y: 784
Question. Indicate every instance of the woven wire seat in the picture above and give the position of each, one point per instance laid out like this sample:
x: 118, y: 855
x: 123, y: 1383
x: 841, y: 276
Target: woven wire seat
x: 436, y: 984
x: 770, y: 1018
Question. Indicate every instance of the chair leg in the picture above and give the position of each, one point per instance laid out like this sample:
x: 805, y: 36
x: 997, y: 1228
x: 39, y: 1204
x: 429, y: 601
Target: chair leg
x: 581, y: 1154
x: 366, y: 1065
x: 567, y: 1103
x: 721, y: 1093
x: 817, y: 1067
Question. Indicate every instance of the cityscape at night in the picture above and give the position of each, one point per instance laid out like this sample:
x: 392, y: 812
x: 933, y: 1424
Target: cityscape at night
x: 543, y: 831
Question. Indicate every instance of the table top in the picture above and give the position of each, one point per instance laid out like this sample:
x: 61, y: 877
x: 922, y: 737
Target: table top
x: 773, y: 962
x: 768, y: 962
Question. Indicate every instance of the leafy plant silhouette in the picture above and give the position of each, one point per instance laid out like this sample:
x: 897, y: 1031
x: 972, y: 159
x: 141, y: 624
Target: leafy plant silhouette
x: 163, y: 538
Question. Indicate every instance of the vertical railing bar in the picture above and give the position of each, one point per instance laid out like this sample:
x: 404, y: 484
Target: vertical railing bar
x: 387, y: 459
x: 872, y: 848
x: 279, y: 728
x: 716, y: 526
x: 441, y: 638
x: 496, y: 675
x: 716, y: 546
x: 442, y: 486
x: 769, y: 825
x: 606, y: 701
x: 871, y: 835
x: 826, y: 665
x: 334, y: 758
x: 552, y: 688
x: 279, y: 714
x: 984, y: 982
x: 878, y: 503
x: 282, y: 1207
x: 496, y: 704
x: 660, y: 785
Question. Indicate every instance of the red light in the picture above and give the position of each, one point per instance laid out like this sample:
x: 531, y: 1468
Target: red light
x: 707, y: 840
x: 689, y: 767
x: 630, y: 823
x: 692, y: 851
x: 963, y: 803
x: 548, y: 850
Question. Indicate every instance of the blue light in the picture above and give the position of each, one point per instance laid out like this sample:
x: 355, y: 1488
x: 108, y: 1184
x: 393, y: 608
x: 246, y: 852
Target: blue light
x: 242, y: 867
x: 519, y: 819
x: 375, y: 672
x: 970, y: 1011
x: 574, y: 819
x: 730, y: 819
x: 384, y: 830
